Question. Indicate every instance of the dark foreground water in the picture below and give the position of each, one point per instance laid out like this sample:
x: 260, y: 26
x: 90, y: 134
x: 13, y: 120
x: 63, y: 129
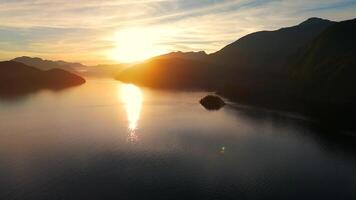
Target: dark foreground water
x: 107, y: 140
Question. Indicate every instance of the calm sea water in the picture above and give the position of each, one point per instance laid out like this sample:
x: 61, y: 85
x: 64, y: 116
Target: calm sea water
x: 108, y: 140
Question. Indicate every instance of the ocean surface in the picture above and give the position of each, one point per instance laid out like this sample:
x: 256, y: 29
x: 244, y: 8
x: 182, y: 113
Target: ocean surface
x: 110, y: 140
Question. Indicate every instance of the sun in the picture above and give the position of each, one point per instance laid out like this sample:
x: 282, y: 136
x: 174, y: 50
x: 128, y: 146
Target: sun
x: 136, y: 44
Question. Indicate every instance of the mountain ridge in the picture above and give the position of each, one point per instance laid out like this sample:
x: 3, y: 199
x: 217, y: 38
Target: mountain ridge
x: 272, y: 48
x: 233, y: 66
x: 49, y: 64
x: 17, y: 79
x: 104, y: 70
x: 260, y: 69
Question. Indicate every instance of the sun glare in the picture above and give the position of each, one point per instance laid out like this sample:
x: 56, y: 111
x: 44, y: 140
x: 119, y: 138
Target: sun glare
x: 136, y: 44
x: 132, y: 97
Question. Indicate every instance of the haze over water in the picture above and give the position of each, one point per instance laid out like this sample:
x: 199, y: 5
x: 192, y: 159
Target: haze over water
x: 108, y: 140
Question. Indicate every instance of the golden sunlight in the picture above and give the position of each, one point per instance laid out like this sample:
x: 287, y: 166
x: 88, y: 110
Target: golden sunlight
x: 131, y: 97
x: 136, y: 44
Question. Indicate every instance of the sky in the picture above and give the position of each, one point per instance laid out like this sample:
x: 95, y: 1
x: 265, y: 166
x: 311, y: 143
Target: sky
x: 104, y: 31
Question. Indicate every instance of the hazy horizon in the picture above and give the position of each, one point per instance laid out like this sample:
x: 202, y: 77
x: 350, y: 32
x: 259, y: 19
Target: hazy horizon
x: 95, y: 32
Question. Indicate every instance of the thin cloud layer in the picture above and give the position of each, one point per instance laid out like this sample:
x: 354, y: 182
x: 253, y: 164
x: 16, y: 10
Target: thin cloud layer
x: 86, y: 30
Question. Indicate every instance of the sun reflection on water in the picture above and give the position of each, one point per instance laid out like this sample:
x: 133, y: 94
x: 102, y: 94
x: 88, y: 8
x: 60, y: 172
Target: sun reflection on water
x: 132, y: 98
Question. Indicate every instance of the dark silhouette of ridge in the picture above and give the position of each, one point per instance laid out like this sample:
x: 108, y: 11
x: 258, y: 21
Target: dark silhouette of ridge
x: 172, y: 73
x: 49, y: 64
x: 315, y: 20
x: 269, y: 51
x: 105, y: 70
x: 319, y: 78
x: 329, y: 60
x: 17, y: 79
x: 305, y: 68
x: 199, y: 55
x: 326, y: 69
x: 253, y: 60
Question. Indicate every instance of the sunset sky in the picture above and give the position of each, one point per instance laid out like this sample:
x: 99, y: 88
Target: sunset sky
x: 99, y: 31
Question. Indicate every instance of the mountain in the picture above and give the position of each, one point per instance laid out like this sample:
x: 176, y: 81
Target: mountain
x: 318, y: 79
x: 326, y: 69
x: 257, y: 66
x: 107, y: 70
x: 308, y: 68
x: 199, y: 55
x: 49, y: 64
x: 171, y: 72
x: 268, y: 51
x: 18, y: 78
x: 103, y: 70
x: 255, y: 60
x: 330, y: 60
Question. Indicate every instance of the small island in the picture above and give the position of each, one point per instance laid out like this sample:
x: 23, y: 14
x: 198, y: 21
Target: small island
x: 212, y: 102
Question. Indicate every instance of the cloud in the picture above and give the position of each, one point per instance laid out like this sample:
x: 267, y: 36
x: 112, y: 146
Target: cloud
x: 84, y: 31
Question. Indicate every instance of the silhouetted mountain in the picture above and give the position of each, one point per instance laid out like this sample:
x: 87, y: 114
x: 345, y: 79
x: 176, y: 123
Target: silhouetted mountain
x: 171, y: 72
x: 329, y: 62
x: 76, y: 68
x: 252, y: 61
x: 326, y: 69
x: 320, y: 82
x: 103, y: 70
x: 188, y: 70
x: 17, y: 78
x: 256, y: 69
x: 199, y: 55
x: 268, y: 51
x: 49, y: 64
x: 257, y: 65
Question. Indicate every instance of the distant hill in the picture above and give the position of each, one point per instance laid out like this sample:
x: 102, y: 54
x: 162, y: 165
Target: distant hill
x: 17, y: 78
x: 171, y: 72
x: 199, y: 55
x: 76, y: 68
x: 49, y: 64
x: 103, y: 70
